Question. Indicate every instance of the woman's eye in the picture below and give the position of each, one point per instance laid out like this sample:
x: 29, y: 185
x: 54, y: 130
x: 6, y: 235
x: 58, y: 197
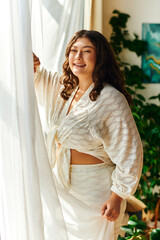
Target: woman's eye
x: 88, y: 51
x: 73, y: 50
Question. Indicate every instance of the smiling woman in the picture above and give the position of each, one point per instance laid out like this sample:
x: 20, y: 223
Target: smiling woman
x: 93, y: 144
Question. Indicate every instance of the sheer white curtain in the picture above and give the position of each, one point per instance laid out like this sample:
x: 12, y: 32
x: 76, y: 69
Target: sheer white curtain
x: 29, y: 206
x: 53, y: 24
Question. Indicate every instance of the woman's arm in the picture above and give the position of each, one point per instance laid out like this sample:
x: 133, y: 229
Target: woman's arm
x: 47, y: 84
x: 115, y: 127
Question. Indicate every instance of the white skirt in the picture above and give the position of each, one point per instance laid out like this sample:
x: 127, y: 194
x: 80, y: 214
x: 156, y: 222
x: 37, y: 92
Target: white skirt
x: 90, y: 188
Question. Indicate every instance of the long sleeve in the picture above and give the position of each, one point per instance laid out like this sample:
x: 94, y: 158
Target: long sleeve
x: 47, y: 86
x: 116, y: 128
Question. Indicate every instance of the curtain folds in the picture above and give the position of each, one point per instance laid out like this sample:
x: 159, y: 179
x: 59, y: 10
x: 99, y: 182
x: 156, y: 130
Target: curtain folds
x: 29, y: 205
x: 53, y: 24
x: 20, y: 190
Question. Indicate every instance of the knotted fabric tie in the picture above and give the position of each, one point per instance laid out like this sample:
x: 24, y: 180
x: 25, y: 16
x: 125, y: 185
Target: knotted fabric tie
x: 60, y: 162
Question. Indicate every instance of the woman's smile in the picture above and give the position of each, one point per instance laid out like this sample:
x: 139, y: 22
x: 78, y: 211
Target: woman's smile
x: 79, y: 65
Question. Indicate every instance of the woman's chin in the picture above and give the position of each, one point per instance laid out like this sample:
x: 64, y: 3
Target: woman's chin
x: 78, y: 73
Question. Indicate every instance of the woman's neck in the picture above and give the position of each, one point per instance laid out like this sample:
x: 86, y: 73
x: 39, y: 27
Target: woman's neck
x: 84, y: 84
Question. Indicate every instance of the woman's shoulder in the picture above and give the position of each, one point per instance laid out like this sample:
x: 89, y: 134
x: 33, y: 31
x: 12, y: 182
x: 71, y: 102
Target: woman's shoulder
x: 109, y: 101
x: 110, y: 106
x: 110, y: 95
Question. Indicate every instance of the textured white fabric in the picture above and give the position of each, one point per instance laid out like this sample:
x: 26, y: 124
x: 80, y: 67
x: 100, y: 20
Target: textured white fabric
x: 91, y: 183
x: 90, y: 188
x: 103, y: 128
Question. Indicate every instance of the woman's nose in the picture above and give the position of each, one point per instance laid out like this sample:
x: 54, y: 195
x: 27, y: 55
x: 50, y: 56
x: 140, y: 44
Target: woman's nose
x: 79, y: 55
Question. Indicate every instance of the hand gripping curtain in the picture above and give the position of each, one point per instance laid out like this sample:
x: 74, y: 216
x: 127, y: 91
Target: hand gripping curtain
x: 29, y: 206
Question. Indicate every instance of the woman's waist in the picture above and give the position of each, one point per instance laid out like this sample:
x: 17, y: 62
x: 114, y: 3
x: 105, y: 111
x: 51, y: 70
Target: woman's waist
x: 83, y: 158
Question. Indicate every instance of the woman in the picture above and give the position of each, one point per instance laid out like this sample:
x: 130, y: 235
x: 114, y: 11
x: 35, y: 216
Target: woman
x: 92, y: 140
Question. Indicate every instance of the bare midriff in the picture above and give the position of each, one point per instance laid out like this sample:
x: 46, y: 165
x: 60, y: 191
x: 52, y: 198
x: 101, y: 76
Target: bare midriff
x: 80, y: 158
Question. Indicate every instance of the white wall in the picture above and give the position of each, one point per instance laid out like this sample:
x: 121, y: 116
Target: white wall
x: 140, y: 11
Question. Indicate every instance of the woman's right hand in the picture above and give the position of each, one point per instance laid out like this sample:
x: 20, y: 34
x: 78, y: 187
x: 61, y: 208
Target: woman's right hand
x: 111, y: 208
x: 36, y: 62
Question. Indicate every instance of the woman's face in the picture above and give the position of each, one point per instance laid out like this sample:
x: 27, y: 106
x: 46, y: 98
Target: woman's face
x: 82, y: 58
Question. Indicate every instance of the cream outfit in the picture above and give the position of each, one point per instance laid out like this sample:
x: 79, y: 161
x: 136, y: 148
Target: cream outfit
x: 103, y: 128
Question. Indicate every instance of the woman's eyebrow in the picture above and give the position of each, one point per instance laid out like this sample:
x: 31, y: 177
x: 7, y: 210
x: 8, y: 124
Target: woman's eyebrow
x: 88, y: 47
x: 83, y: 47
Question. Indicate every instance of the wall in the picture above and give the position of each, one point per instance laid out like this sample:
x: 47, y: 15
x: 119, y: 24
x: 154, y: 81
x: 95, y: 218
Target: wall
x: 140, y: 11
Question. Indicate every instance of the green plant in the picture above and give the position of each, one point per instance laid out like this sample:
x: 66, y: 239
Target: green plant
x: 138, y: 230
x: 146, y: 114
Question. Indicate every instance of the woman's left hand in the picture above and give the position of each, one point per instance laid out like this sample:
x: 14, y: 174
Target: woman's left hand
x: 36, y: 62
x: 111, y: 208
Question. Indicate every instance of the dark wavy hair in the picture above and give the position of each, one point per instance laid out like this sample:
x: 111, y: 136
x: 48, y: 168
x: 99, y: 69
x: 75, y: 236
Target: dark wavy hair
x: 106, y: 68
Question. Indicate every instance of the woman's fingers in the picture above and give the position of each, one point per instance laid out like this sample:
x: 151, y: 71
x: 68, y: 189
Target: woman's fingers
x: 103, y: 209
x: 111, y: 208
x: 111, y: 215
x: 36, y: 62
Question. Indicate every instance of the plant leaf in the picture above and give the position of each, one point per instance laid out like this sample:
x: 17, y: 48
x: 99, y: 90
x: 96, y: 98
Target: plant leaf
x: 133, y: 217
x: 138, y: 224
x: 127, y: 229
x: 155, y: 234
